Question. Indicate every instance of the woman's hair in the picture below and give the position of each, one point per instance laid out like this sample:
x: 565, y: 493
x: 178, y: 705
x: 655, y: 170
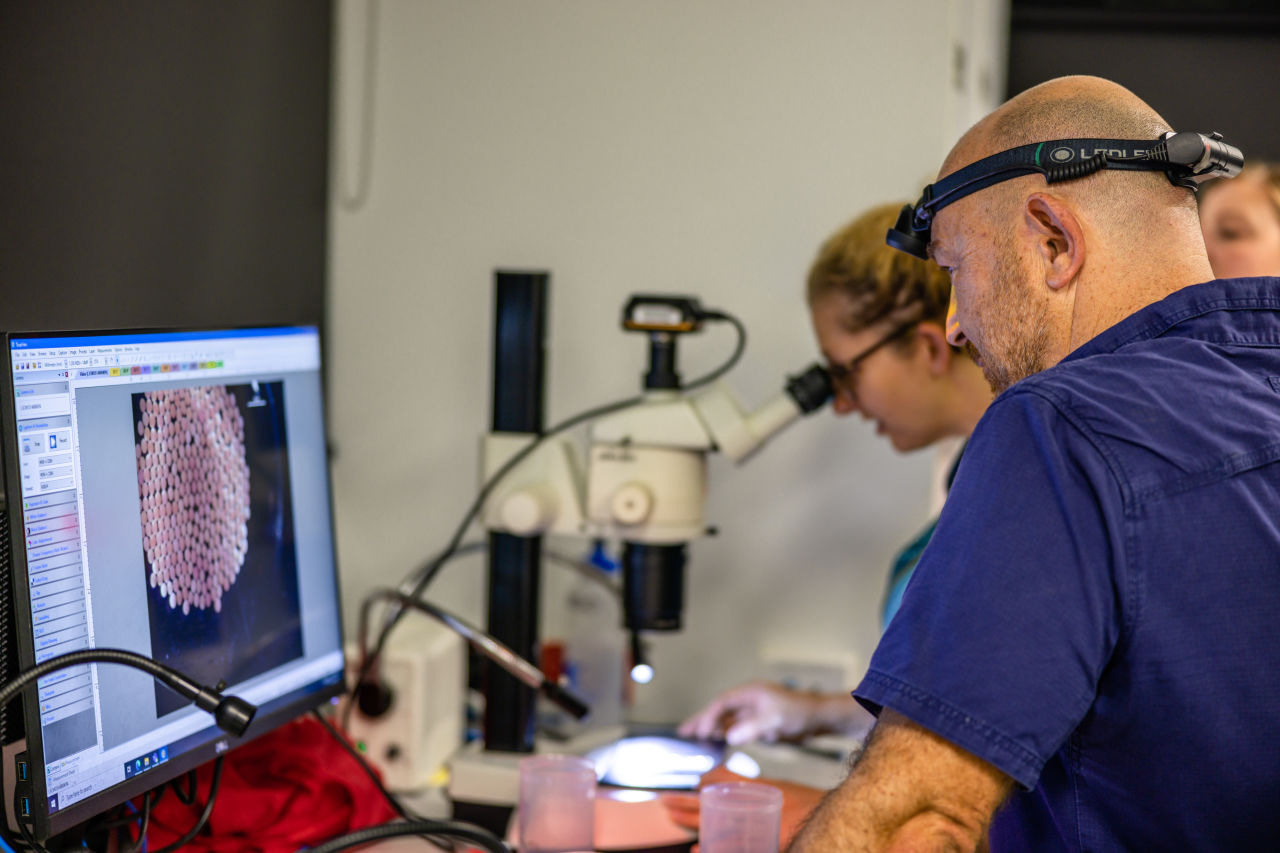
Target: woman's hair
x: 876, y: 280
x: 1264, y: 173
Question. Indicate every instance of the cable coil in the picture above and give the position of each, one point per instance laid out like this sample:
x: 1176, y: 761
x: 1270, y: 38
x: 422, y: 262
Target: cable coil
x: 1057, y: 172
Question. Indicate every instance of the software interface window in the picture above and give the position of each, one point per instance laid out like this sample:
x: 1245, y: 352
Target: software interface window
x: 174, y: 503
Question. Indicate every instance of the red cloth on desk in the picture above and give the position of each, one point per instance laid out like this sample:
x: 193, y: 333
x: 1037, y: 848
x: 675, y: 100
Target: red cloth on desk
x: 291, y: 787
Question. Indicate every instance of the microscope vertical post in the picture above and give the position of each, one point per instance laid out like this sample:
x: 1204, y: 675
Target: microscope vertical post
x: 519, y: 377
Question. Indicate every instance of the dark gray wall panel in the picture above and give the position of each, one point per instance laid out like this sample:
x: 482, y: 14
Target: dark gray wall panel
x: 163, y: 162
x: 1203, y: 71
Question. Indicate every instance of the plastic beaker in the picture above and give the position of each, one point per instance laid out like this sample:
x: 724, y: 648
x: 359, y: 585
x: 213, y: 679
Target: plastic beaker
x: 557, y: 804
x: 740, y: 817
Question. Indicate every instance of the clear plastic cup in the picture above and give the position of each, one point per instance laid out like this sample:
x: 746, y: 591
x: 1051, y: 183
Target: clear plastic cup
x: 740, y: 817
x: 557, y: 804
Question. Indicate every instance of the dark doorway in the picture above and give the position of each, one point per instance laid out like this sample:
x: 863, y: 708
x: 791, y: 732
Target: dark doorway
x: 164, y: 162
x: 1203, y: 64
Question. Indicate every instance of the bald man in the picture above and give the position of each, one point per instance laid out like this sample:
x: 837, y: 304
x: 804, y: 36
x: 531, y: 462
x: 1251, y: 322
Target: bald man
x: 1088, y: 655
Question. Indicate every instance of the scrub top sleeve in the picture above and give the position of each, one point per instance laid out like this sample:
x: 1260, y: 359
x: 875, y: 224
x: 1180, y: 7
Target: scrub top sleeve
x: 1015, y: 607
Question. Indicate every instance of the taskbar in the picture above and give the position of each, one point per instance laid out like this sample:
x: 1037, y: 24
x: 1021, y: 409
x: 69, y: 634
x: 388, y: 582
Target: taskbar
x: 142, y: 764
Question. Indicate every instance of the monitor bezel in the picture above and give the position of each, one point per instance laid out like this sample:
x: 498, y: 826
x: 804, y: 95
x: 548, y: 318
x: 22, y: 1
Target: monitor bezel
x: 269, y: 717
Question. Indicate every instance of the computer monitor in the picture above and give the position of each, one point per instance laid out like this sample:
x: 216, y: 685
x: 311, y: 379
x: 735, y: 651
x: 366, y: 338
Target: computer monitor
x: 168, y: 494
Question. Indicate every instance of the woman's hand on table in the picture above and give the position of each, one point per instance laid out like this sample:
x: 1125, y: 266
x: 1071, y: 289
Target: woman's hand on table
x: 757, y: 711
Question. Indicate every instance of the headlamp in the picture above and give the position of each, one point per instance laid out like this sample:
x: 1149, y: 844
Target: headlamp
x: 1187, y: 159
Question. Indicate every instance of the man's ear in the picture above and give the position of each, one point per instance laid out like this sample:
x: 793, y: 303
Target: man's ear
x: 1059, y: 238
x: 933, y: 340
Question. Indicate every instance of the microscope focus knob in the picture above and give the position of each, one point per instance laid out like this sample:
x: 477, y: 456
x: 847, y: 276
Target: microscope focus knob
x: 632, y: 503
x: 528, y: 512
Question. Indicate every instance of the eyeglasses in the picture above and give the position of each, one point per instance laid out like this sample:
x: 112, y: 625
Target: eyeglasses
x: 846, y: 375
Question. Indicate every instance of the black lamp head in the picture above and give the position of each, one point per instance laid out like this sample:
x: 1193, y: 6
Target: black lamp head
x: 906, y: 237
x: 234, y: 715
x: 565, y: 699
x: 231, y: 713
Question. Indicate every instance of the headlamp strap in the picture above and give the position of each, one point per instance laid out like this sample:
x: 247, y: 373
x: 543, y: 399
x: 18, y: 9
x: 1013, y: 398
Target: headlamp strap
x: 1186, y: 158
x: 1057, y: 160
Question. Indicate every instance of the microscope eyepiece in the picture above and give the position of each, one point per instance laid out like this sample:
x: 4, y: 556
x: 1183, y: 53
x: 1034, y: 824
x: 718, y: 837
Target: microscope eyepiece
x: 812, y: 389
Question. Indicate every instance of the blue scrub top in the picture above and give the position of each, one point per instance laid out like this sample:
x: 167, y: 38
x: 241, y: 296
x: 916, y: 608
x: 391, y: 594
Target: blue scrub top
x: 904, y: 565
x: 1098, y: 612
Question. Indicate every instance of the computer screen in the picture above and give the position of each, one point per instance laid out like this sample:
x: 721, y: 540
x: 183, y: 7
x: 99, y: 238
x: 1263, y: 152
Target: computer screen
x: 168, y: 494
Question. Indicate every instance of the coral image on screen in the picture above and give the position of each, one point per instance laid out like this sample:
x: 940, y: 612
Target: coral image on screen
x: 217, y: 531
x: 193, y: 482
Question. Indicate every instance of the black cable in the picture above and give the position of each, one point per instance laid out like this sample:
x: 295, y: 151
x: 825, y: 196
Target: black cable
x: 588, y: 570
x: 454, y: 829
x: 159, y: 792
x: 231, y: 713
x: 432, y: 568
x: 204, y: 815
x: 1058, y: 172
x: 368, y: 660
x: 364, y: 765
x: 28, y: 840
x: 584, y: 569
x: 391, y: 798
x: 463, y: 550
x: 122, y: 818
x: 175, y: 680
x: 190, y: 796
x: 591, y: 572
x: 487, y: 489
x: 429, y: 571
x: 142, y: 827
x: 729, y: 363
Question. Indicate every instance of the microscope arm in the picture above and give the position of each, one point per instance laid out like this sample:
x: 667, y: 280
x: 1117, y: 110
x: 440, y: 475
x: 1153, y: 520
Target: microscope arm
x: 645, y: 474
x: 738, y: 434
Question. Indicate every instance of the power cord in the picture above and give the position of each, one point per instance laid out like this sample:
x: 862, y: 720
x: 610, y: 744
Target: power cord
x: 391, y: 798
x: 231, y: 713
x: 191, y: 833
x: 150, y: 800
x: 733, y: 358
x: 141, y: 843
x: 364, y: 766
x: 28, y: 840
x: 588, y: 570
x: 584, y: 569
x: 439, y: 833
x: 190, y: 796
x: 455, y: 829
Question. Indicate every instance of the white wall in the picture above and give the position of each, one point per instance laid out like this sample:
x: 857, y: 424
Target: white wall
x: 666, y: 145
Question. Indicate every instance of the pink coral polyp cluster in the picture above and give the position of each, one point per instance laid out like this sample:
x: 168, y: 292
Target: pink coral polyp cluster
x: 193, y: 482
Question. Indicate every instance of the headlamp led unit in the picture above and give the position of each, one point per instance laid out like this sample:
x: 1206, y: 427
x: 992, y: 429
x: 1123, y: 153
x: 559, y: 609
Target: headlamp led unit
x: 1187, y: 158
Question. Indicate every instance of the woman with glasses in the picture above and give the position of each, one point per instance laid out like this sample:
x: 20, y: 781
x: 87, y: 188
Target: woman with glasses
x: 880, y: 319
